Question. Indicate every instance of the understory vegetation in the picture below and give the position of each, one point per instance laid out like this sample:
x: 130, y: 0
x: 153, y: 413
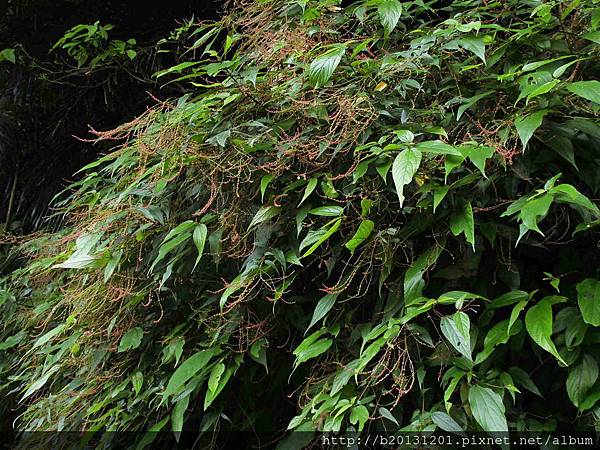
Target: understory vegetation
x: 377, y: 215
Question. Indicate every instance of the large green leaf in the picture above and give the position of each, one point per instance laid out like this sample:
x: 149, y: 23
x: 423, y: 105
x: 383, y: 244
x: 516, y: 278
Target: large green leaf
x: 131, y: 340
x: 590, y: 90
x: 404, y: 169
x: 437, y: 148
x: 588, y: 298
x: 199, y: 238
x: 474, y: 44
x: 389, y: 14
x: 445, y: 422
x: 538, y: 322
x: 581, y: 379
x: 362, y: 233
x: 323, y: 307
x: 187, y: 370
x: 462, y: 221
x: 498, y: 334
x: 315, y: 238
x: 177, y: 416
x: 527, y: 125
x: 359, y: 414
x: 487, y: 408
x: 311, y: 347
x: 263, y: 214
x: 219, y: 384
x: 566, y: 193
x: 327, y: 211
x: 310, y: 187
x: 456, y: 329
x: 324, y: 65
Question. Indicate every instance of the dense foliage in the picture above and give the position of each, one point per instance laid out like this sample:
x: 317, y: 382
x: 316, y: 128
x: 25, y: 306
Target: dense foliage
x: 371, y: 216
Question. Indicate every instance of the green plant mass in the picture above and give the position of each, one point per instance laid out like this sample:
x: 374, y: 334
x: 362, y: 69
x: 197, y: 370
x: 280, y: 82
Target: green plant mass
x: 377, y: 216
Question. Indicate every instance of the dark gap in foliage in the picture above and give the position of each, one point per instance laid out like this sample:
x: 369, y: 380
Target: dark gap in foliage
x: 43, y: 106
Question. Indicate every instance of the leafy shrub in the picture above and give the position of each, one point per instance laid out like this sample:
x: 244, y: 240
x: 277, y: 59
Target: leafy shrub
x: 383, y: 211
x: 83, y: 41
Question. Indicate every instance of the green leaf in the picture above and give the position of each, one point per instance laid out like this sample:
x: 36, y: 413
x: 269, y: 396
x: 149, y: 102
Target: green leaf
x: 48, y: 336
x: 487, y: 408
x: 413, y: 278
x: 588, y: 298
x: 264, y: 182
x: 40, y: 382
x: 581, y: 379
x: 199, y: 238
x: 327, y: 211
x: 364, y: 231
x: 439, y: 193
x: 404, y: 168
x: 383, y: 169
x: 451, y: 162
x: 498, y: 334
x: 514, y: 315
x: 542, y: 89
x: 462, y: 221
x: 311, y: 348
x: 324, y: 65
x: 445, y: 422
x: 389, y: 13
x: 437, y: 148
x: 359, y: 414
x: 182, y: 228
x: 523, y: 379
x: 456, y: 329
x: 11, y: 341
x: 178, y: 415
x: 526, y: 126
x: 538, y: 322
x: 343, y: 376
x: 589, y: 401
x: 323, y: 307
x: 310, y: 187
x: 316, y: 238
x: 8, y: 54
x: 177, y: 69
x: 387, y: 414
x: 187, y: 370
x: 215, y: 376
x: 137, y: 381
x: 478, y: 155
x: 537, y: 64
x: 593, y: 36
x: 131, y: 340
x: 78, y: 261
x: 365, y: 207
x: 590, y: 90
x: 532, y: 210
x: 263, y: 214
x: 405, y: 136
x: 167, y: 247
x: 112, y: 264
x: 258, y: 353
x: 473, y: 44
x: 211, y: 395
x: 565, y: 193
